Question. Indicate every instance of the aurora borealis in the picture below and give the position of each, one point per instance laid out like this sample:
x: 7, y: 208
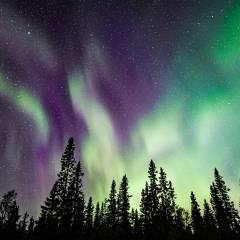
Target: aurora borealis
x: 130, y: 81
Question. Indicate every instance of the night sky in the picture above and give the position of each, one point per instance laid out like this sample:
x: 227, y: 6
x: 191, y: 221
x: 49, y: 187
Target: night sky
x: 130, y: 81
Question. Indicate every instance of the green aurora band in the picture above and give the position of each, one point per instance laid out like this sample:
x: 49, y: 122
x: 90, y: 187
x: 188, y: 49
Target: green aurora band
x: 193, y: 128
x: 28, y: 104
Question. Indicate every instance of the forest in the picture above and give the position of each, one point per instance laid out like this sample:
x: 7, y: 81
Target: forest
x: 67, y: 214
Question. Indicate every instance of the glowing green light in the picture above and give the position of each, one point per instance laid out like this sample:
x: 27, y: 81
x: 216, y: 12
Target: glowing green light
x: 27, y: 103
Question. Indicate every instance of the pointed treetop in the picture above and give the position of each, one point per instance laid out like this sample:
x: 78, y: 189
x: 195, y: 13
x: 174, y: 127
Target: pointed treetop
x: 113, y: 183
x: 152, y: 168
x: 71, y: 140
x: 151, y: 163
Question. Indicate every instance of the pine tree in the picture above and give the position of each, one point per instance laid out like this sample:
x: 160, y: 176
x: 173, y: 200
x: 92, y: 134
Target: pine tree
x: 136, y: 225
x: 76, y: 199
x: 89, y: 215
x: 145, y: 209
x: 179, y: 219
x: 22, y: 225
x: 30, y: 228
x: 112, y: 206
x: 153, y: 190
x: 56, y: 213
x: 65, y: 178
x: 97, y: 219
x: 182, y: 224
x: 49, y: 218
x: 167, y: 205
x: 209, y: 222
x: 124, y: 205
x: 196, y: 218
x: 9, y: 212
x: 224, y: 209
x: 103, y: 213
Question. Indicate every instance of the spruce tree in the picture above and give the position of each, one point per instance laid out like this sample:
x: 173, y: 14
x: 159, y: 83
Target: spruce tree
x: 153, y: 190
x: 56, y: 213
x: 196, y: 218
x: 103, y: 213
x: 97, y: 217
x: 179, y: 219
x: 9, y: 213
x: 145, y: 209
x: 167, y: 205
x: 224, y: 209
x: 209, y: 222
x: 22, y: 225
x: 31, y: 226
x: 136, y: 225
x: 49, y: 218
x: 89, y: 216
x: 76, y: 199
x: 182, y: 224
x: 65, y: 178
x: 124, y: 205
x: 112, y: 206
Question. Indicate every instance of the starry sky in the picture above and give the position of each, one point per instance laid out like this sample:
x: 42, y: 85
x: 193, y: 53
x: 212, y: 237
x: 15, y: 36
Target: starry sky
x: 130, y: 81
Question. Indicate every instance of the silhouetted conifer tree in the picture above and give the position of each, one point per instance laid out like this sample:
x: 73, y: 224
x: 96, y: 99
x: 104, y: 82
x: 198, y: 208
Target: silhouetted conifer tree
x: 89, y: 216
x: 31, y: 226
x: 76, y: 197
x: 179, y: 218
x: 145, y: 210
x: 224, y: 210
x: 22, y: 225
x: 167, y: 205
x: 182, y: 226
x: 153, y: 191
x: 209, y: 222
x: 112, y: 206
x: 196, y: 218
x: 97, y: 217
x: 65, y: 178
x: 49, y: 218
x: 124, y: 206
x: 136, y: 225
x: 9, y: 215
x: 97, y: 232
x: 58, y: 212
x: 103, y: 213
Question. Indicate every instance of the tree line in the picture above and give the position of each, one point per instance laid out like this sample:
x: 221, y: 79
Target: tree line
x: 67, y: 214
